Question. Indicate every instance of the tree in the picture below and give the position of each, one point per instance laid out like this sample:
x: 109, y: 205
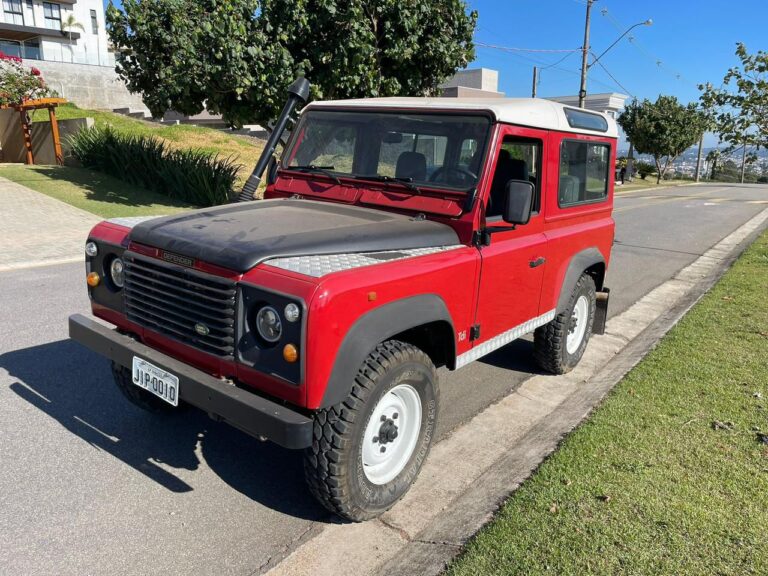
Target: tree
x: 741, y: 104
x: 237, y: 57
x: 664, y: 129
x: 713, y: 157
x: 66, y: 26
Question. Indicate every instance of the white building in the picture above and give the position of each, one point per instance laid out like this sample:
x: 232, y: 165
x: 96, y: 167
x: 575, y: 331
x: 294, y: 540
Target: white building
x: 37, y: 30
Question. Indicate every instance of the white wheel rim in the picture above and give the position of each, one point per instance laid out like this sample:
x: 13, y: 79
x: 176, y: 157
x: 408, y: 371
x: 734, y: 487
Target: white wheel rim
x: 399, y: 410
x: 578, y: 325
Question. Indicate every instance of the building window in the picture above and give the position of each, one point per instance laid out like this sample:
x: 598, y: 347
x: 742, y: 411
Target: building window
x: 32, y: 49
x: 52, y: 13
x: 10, y: 48
x: 13, y: 12
x: 583, y: 172
x: 94, y: 22
x: 30, y: 13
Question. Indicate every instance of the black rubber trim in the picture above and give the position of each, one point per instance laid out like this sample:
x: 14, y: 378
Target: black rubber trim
x: 601, y: 311
x: 240, y: 408
x: 375, y: 327
x: 578, y: 264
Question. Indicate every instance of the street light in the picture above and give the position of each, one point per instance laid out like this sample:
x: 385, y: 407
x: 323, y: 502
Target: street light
x: 648, y: 22
x: 585, y: 51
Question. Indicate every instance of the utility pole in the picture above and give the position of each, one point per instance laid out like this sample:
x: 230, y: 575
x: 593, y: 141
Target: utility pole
x: 743, y: 161
x: 584, y: 57
x: 535, y: 81
x: 698, y: 158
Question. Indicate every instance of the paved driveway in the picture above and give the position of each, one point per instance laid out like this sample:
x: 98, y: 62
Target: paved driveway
x: 37, y: 229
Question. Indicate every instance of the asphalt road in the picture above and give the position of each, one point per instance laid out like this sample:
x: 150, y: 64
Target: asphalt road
x: 91, y: 485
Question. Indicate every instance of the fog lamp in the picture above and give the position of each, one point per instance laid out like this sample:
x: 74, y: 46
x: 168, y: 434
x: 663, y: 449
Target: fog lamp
x: 93, y: 279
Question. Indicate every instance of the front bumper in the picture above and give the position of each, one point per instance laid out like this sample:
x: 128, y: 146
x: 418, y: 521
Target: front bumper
x: 242, y: 409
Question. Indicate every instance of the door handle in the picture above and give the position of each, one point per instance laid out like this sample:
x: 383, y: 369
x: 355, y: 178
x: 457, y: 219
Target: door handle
x: 537, y: 262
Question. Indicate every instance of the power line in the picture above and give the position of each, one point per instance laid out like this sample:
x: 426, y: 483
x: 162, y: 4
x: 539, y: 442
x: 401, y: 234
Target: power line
x: 619, y: 84
x: 632, y: 40
x: 513, y: 49
x: 553, y: 66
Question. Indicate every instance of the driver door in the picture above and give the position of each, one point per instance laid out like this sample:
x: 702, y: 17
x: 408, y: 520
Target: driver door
x: 512, y: 267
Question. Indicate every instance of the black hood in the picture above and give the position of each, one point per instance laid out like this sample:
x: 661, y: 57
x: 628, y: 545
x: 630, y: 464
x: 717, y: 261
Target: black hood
x: 240, y: 236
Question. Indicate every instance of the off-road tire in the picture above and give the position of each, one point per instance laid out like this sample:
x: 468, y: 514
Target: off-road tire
x: 333, y: 465
x: 549, y: 341
x: 137, y: 396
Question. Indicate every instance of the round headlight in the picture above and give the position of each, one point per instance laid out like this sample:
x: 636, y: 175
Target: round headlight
x: 292, y: 312
x: 268, y: 324
x: 116, y: 272
x: 91, y: 249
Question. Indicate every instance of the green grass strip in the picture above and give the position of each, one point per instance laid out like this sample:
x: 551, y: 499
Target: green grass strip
x: 91, y: 191
x: 670, y: 474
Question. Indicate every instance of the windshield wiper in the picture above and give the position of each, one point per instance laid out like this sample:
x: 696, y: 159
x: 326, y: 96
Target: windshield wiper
x: 324, y: 170
x: 407, y: 182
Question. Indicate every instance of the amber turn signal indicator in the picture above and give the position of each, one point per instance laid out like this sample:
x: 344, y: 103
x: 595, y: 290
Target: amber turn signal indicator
x: 290, y: 353
x: 93, y: 279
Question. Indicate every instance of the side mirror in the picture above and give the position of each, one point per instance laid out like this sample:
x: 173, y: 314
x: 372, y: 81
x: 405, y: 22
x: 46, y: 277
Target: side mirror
x: 518, y: 201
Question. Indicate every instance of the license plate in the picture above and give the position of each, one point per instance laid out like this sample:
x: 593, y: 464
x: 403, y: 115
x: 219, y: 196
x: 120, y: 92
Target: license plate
x: 159, y: 382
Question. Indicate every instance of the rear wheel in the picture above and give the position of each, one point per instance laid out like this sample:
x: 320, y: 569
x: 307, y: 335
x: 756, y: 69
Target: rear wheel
x: 559, y: 345
x: 138, y: 396
x: 368, y: 449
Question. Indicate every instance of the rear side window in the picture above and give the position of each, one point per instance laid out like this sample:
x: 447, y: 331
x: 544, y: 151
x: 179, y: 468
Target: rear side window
x: 583, y: 172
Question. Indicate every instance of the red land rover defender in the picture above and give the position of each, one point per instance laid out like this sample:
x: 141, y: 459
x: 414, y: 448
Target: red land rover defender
x: 397, y: 235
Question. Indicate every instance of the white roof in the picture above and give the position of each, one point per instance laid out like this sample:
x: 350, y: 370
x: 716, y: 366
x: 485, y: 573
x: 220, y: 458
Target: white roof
x: 533, y: 112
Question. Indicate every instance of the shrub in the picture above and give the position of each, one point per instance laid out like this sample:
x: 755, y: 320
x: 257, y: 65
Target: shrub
x: 644, y: 169
x: 18, y: 83
x: 193, y: 176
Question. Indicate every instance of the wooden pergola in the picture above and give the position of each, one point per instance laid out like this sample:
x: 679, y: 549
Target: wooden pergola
x: 26, y: 126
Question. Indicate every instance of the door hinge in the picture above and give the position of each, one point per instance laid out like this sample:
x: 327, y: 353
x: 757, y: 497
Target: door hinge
x: 474, y: 332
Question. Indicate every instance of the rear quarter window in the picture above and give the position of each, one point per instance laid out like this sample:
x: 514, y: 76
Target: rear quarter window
x: 583, y: 172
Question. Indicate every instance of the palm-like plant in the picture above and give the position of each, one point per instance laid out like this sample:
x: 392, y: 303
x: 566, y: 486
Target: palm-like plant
x: 67, y: 25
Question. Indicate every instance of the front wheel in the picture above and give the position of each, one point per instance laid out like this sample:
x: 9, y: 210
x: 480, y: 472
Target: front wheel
x: 368, y: 450
x: 559, y: 345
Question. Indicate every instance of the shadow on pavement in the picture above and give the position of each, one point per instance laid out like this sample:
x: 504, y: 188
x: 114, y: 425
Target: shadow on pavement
x: 517, y: 356
x: 75, y: 387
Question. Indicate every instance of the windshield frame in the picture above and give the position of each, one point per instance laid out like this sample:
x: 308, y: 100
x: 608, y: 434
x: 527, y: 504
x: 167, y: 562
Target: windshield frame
x: 423, y: 187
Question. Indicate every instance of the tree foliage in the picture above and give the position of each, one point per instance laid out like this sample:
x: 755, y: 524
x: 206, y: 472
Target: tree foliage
x: 664, y: 129
x: 237, y: 57
x: 740, y: 105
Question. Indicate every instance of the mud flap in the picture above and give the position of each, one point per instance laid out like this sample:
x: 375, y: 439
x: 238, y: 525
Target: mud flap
x: 601, y: 311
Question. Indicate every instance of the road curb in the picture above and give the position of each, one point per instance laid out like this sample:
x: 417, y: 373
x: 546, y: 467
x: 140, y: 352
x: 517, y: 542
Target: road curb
x: 466, y: 477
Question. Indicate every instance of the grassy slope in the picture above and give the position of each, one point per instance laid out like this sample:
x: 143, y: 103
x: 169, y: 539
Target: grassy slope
x: 244, y: 149
x: 649, y: 485
x: 90, y: 191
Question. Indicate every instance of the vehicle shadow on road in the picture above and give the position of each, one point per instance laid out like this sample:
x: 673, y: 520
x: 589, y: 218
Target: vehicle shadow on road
x: 74, y: 386
x: 517, y: 356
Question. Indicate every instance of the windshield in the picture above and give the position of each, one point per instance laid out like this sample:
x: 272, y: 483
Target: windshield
x: 438, y: 150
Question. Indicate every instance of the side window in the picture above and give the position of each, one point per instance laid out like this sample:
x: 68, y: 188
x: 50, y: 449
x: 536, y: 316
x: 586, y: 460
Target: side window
x: 583, y: 172
x: 518, y: 159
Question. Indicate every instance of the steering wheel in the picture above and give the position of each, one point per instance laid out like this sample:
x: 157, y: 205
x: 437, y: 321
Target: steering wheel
x: 465, y: 176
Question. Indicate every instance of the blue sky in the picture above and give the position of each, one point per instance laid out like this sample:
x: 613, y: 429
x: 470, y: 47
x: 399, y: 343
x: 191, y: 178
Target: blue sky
x: 693, y: 39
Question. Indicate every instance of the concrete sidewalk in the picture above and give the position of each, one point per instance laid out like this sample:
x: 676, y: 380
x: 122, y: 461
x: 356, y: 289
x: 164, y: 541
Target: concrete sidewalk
x: 36, y: 229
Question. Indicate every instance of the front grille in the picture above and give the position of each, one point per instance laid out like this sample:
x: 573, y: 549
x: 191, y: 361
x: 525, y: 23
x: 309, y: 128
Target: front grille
x: 180, y: 302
